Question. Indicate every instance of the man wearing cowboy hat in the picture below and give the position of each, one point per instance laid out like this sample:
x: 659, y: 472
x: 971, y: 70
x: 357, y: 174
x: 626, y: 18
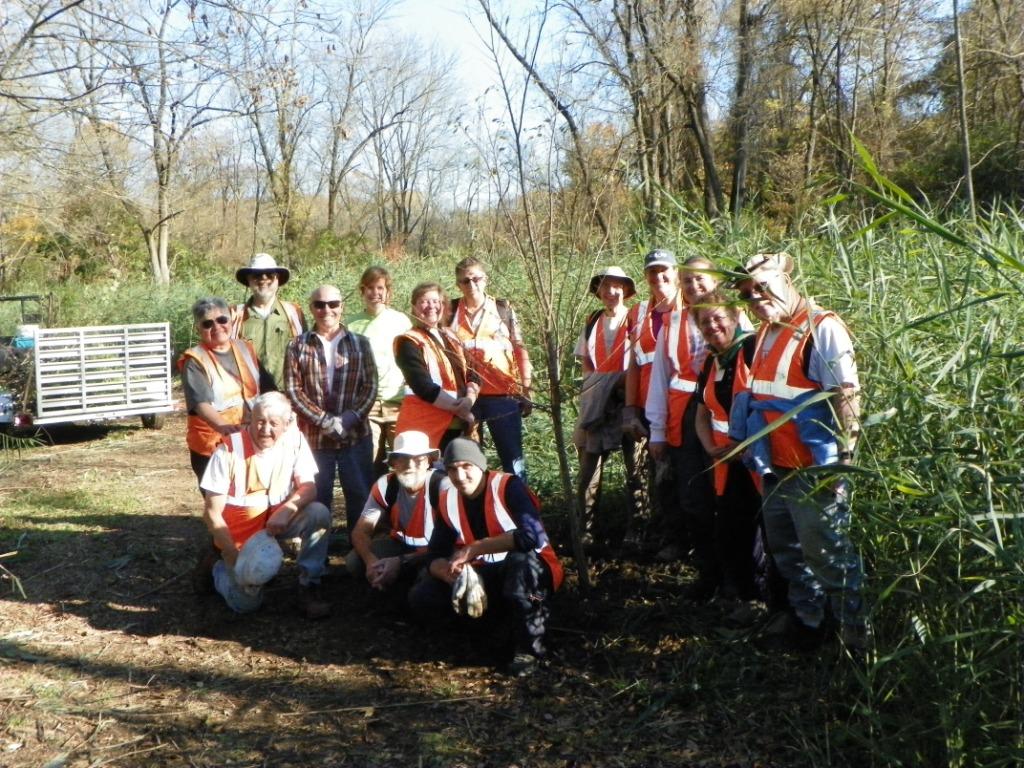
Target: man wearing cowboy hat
x: 269, y: 323
x: 400, y: 509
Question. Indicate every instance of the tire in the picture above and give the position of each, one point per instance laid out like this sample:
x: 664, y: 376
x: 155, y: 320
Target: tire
x: 153, y: 420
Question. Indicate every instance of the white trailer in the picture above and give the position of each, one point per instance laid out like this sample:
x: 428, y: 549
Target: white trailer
x: 96, y: 373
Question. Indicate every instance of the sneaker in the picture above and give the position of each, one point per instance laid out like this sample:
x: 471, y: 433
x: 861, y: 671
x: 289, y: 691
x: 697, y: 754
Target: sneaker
x: 202, y: 574
x: 523, y: 665
x: 313, y: 603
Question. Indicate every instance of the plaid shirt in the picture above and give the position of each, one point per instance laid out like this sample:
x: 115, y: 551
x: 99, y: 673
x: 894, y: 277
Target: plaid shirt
x: 352, y: 394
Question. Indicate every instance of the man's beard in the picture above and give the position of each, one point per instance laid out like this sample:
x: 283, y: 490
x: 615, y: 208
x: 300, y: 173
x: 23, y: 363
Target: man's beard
x: 411, y: 480
x: 265, y: 295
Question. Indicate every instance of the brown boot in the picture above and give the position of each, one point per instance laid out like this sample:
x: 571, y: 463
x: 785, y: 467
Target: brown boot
x: 313, y: 603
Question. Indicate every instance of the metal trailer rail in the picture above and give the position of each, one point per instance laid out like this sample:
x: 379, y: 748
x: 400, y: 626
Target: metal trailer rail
x: 102, y: 372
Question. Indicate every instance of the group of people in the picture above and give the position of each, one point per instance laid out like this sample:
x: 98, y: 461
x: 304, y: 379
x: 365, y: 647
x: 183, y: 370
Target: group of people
x: 731, y: 423
x: 745, y: 433
x: 386, y: 405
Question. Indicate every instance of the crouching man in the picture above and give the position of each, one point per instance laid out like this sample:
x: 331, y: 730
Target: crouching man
x: 489, y: 522
x: 400, y: 509
x: 263, y: 478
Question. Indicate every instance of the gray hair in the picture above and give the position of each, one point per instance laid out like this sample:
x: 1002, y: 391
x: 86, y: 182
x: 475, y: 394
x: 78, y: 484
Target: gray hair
x: 201, y: 307
x: 273, y: 404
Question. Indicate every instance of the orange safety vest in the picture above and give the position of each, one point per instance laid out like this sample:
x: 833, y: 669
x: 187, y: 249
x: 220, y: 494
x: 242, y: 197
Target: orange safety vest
x: 682, y: 382
x: 497, y: 518
x: 416, y: 533
x: 779, y: 375
x: 719, y: 414
x: 416, y: 413
x: 231, y: 396
x: 603, y: 359
x: 250, y: 497
x: 644, y: 343
x: 291, y: 310
x: 489, y: 349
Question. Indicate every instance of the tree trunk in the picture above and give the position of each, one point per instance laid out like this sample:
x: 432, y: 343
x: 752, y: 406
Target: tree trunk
x: 741, y: 110
x: 965, y: 135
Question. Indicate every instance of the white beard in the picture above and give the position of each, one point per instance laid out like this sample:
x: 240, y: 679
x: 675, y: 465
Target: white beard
x: 411, y: 480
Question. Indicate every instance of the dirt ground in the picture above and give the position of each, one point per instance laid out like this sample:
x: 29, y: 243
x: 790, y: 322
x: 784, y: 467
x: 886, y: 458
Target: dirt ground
x: 111, y: 660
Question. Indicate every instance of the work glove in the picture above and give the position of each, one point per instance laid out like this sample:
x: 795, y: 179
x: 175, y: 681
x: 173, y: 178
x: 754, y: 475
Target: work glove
x: 468, y: 595
x: 333, y: 427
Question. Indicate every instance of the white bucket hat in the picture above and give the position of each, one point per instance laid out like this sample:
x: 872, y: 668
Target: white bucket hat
x: 412, y: 443
x: 613, y: 273
x: 262, y: 262
x: 259, y: 561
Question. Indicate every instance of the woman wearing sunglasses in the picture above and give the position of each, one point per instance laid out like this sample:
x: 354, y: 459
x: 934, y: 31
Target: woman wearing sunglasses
x: 220, y: 376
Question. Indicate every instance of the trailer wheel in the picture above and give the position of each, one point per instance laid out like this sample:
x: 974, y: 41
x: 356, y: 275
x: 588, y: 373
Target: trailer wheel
x: 153, y: 420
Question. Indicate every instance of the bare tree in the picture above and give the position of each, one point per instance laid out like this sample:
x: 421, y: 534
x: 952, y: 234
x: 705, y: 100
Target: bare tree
x: 144, y: 77
x: 408, y: 115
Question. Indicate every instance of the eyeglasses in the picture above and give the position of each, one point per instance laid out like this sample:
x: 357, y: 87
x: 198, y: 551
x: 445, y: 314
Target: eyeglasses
x: 261, y: 275
x: 758, y: 290
x: 333, y: 304
x: 476, y: 280
x: 208, y: 323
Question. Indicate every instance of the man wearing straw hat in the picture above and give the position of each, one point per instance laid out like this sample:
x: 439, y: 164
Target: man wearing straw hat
x: 265, y: 320
x: 389, y: 542
x: 803, y: 381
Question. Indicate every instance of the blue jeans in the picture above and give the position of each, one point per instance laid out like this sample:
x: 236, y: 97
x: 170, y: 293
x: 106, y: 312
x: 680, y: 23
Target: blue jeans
x: 310, y: 525
x: 505, y: 423
x: 354, y: 468
x: 808, y: 534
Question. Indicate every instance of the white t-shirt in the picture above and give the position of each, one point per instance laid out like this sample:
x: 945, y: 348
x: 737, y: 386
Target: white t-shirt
x: 331, y: 356
x: 291, y: 448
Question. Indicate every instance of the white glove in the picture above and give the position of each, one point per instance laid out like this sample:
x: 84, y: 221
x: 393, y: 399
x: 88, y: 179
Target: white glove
x: 333, y: 427
x: 476, y: 597
x: 468, y: 595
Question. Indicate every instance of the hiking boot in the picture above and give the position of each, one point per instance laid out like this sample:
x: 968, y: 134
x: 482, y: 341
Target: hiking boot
x: 523, y: 665
x: 313, y: 603
x: 202, y: 573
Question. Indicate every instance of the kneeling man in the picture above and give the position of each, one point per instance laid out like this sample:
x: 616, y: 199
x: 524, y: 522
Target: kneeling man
x: 401, y: 506
x: 263, y: 478
x: 490, y: 522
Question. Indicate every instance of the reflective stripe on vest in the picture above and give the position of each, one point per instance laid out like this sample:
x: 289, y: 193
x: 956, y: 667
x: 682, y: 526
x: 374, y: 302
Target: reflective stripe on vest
x: 496, y: 515
x: 246, y: 487
x: 421, y: 520
x: 294, y: 318
x: 720, y: 426
x: 438, y: 365
x: 603, y: 359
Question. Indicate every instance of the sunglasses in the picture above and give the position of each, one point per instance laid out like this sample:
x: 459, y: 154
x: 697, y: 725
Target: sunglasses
x: 756, y: 291
x: 208, y: 324
x: 261, y: 275
x: 333, y: 304
x: 476, y: 280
